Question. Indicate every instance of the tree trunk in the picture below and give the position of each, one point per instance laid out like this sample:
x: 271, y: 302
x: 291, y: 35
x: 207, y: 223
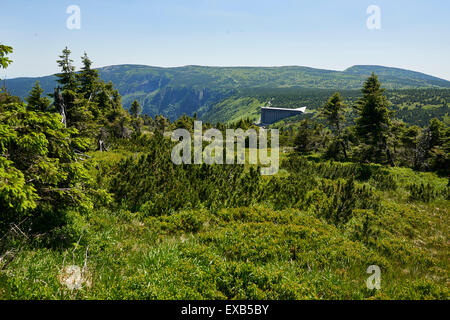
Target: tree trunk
x: 388, y: 153
x: 59, y: 104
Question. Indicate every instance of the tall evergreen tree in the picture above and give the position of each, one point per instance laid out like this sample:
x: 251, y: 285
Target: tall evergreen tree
x: 333, y: 112
x: 66, y: 78
x: 433, y: 148
x: 87, y: 77
x: 68, y: 99
x: 36, y: 101
x: 373, y: 123
x: 303, y: 139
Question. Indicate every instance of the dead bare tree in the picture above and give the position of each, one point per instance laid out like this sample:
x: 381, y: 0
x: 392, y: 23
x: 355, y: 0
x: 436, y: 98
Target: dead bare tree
x: 59, y: 104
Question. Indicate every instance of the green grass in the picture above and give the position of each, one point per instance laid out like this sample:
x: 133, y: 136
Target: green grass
x: 252, y: 252
x: 243, y: 253
x: 234, y: 109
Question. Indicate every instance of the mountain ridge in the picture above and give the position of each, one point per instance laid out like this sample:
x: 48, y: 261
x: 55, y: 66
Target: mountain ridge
x: 172, y: 91
x: 346, y: 70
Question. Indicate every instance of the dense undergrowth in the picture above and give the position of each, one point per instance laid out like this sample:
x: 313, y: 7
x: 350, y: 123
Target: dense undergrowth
x: 308, y: 233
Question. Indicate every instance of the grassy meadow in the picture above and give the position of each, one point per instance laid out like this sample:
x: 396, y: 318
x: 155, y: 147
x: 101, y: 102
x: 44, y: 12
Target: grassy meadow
x: 291, y: 242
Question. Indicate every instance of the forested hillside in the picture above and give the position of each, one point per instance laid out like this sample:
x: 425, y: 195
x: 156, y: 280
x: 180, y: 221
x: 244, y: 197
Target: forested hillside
x: 173, y: 92
x: 93, y: 207
x: 413, y: 106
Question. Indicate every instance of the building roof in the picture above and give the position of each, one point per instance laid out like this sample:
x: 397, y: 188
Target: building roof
x: 302, y: 109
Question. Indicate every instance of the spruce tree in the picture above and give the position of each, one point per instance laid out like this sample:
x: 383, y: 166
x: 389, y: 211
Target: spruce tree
x: 303, y: 138
x: 67, y: 77
x: 333, y: 113
x: 68, y: 98
x: 40, y: 177
x: 373, y: 123
x: 333, y: 110
x: 35, y: 100
x: 88, y: 78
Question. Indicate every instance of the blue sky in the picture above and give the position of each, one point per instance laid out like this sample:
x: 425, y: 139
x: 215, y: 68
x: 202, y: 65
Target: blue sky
x: 316, y: 33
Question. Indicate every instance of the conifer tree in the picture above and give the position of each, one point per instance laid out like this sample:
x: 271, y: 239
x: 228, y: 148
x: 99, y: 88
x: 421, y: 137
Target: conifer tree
x: 333, y: 113
x: 36, y: 101
x: 67, y: 77
x: 4, y: 60
x: 41, y: 178
x: 88, y: 78
x: 373, y: 123
x: 135, y: 109
x: 303, y: 137
x: 333, y: 110
x: 68, y: 98
x: 433, y: 148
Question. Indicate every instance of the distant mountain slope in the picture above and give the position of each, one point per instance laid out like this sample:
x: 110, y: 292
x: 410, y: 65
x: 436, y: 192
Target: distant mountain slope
x: 189, y: 89
x: 402, y: 77
x: 414, y: 106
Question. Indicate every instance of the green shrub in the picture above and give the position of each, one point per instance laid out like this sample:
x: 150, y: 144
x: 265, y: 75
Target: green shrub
x: 422, y: 192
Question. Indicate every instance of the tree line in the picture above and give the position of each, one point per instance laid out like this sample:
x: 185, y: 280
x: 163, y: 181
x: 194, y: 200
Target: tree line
x: 373, y: 134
